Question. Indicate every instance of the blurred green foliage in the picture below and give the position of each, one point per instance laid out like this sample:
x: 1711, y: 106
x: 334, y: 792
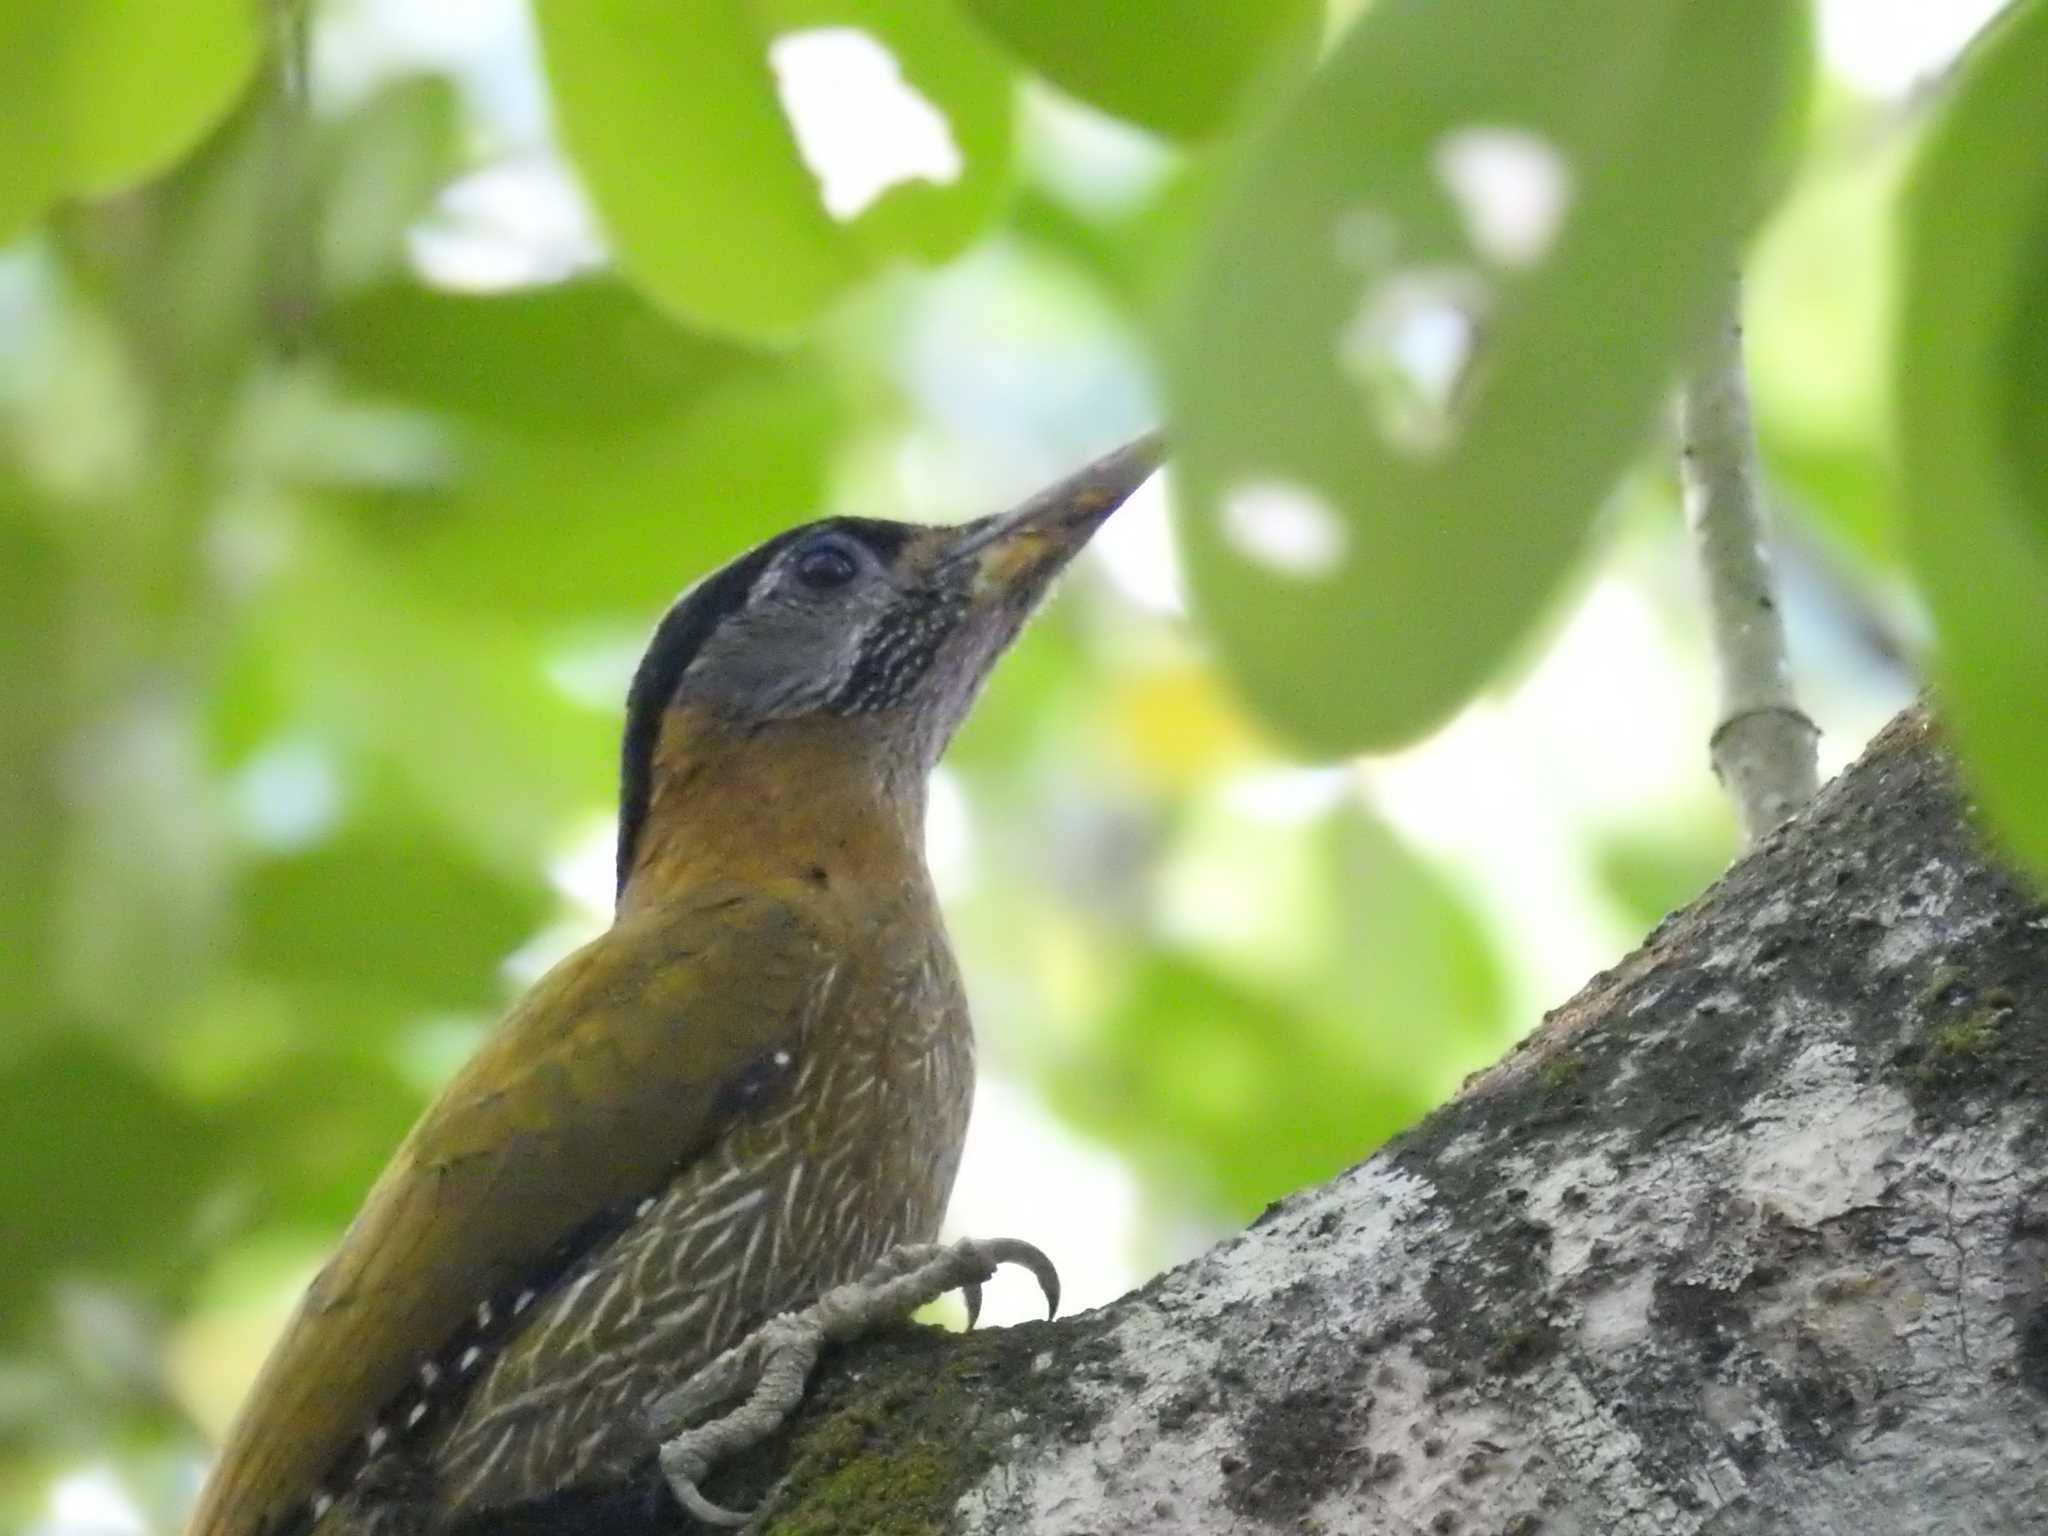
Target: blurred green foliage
x: 673, y: 111
x: 1111, y: 55
x: 1973, y: 354
x: 333, y: 511
x: 83, y: 86
x: 1506, y: 356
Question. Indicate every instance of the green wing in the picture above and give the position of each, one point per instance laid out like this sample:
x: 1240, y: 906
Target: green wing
x: 594, y: 1088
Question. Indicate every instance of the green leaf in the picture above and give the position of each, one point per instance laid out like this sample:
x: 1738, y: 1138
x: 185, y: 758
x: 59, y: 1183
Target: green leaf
x: 602, y: 526
x: 1231, y: 1092
x: 101, y: 94
x: 31, y: 46
x: 1407, y: 951
x: 146, y: 78
x: 389, y: 906
x: 1851, y: 489
x: 203, y: 277
x: 607, y: 529
x: 1138, y: 253
x: 380, y: 167
x: 143, y: 876
x: 1437, y: 319
x: 605, y: 456
x: 1022, y: 730
x: 1247, y: 1089
x: 308, y: 1137
x: 568, y: 359
x: 1238, y: 1094
x: 1972, y: 371
x: 34, y: 587
x: 104, y: 1172
x: 452, y: 707
x: 1181, y: 67
x: 1819, y: 292
x: 1651, y: 871
x: 672, y: 116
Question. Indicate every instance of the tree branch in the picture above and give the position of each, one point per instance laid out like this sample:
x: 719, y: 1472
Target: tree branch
x: 1763, y: 743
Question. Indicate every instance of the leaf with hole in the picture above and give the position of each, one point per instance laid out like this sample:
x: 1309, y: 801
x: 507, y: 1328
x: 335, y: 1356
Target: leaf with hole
x: 740, y: 215
x: 1437, y: 318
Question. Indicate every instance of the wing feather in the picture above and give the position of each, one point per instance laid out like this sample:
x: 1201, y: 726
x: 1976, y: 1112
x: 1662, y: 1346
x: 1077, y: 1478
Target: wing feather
x: 598, y: 1084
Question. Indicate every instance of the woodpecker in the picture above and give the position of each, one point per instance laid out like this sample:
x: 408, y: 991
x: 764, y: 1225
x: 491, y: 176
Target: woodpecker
x: 726, y: 1129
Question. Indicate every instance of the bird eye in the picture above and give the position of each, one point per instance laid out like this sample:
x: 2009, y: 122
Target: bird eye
x: 825, y: 565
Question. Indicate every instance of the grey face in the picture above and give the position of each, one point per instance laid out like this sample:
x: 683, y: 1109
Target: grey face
x: 845, y: 618
x: 854, y: 617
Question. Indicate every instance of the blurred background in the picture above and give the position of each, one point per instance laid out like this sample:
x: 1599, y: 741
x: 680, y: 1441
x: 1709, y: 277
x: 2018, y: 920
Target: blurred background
x: 320, y: 590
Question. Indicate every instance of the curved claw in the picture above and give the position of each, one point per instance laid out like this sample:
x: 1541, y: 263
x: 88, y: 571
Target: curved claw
x: 1011, y: 1250
x: 778, y: 1356
x: 970, y: 1292
x: 706, y: 1511
x: 682, y: 1474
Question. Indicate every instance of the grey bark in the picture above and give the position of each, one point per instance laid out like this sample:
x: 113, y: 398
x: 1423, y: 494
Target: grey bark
x: 1763, y: 743
x: 1749, y: 1237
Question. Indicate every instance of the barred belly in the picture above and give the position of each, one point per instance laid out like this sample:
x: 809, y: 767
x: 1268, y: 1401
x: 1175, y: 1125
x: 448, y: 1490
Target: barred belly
x: 823, y: 1171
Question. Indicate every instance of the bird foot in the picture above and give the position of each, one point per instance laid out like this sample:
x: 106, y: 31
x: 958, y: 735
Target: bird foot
x: 772, y: 1364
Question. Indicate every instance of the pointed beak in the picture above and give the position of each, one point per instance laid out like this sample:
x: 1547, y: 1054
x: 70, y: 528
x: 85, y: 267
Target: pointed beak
x: 1016, y: 554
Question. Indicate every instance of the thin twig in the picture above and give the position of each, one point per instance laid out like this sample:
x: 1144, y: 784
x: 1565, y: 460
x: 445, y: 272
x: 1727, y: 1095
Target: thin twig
x: 292, y: 289
x: 1763, y: 743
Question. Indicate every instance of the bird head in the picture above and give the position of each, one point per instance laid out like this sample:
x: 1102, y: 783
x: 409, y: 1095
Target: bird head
x: 877, y: 633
